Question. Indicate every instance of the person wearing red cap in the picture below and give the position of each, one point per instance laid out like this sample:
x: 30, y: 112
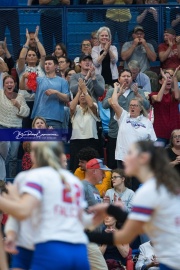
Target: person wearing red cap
x: 169, y: 51
x: 93, y: 176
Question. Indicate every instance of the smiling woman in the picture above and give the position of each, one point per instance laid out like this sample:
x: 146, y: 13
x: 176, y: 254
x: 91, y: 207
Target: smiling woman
x: 174, y: 149
x: 165, y: 104
x: 133, y: 125
x: 83, y: 117
x: 13, y: 109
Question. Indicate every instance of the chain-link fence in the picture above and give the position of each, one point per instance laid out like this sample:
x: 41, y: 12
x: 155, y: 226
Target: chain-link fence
x: 72, y: 24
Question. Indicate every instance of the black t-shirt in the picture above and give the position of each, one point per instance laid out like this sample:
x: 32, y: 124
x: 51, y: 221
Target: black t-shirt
x: 172, y: 156
x: 106, y: 70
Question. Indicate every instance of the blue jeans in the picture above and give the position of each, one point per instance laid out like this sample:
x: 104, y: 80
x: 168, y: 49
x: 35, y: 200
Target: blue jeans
x: 11, y: 160
x: 60, y: 255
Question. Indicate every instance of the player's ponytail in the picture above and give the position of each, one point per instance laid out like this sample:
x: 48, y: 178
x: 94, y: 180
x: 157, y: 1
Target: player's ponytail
x: 160, y: 166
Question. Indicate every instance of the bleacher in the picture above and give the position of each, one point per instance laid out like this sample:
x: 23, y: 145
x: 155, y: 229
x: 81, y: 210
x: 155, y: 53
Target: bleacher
x: 79, y: 22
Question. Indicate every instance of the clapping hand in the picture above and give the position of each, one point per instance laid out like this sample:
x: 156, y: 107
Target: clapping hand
x: 82, y: 85
x: 134, y: 87
x: 27, y: 34
x: 120, y: 88
x: 36, y: 32
x: 163, y: 74
x: 175, y: 72
x: 107, y: 46
x: 92, y: 71
x: 170, y: 42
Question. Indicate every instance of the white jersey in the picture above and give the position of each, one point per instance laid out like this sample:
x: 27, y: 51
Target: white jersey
x: 132, y: 130
x: 56, y: 217
x: 161, y: 212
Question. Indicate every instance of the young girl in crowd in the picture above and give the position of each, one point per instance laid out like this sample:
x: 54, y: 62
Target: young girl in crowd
x: 155, y: 207
x: 120, y: 192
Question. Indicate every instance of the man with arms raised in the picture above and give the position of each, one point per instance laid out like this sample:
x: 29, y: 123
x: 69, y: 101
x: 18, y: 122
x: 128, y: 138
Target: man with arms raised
x: 51, y: 93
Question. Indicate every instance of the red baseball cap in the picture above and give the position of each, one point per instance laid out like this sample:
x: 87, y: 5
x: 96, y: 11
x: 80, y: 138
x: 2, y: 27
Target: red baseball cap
x: 96, y: 164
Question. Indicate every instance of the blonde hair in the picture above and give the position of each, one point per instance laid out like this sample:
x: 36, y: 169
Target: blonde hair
x: 104, y: 28
x: 41, y: 118
x: 48, y: 154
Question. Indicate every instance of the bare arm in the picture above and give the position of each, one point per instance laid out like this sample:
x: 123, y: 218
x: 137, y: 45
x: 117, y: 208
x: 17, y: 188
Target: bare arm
x: 164, y: 55
x: 114, y: 99
x: 128, y: 233
x: 74, y: 103
x: 123, y: 249
x: 22, y: 84
x: 175, y: 83
x: 3, y: 260
x: 23, y: 53
x: 88, y: 98
x: 40, y: 48
x: 103, y: 249
x: 63, y: 97
x: 113, y: 54
x: 175, y: 22
x: 8, y: 55
x: 158, y: 97
x: 20, y: 209
x: 142, y: 16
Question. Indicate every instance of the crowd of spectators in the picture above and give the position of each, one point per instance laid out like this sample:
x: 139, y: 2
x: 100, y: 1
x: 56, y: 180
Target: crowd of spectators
x: 102, y: 108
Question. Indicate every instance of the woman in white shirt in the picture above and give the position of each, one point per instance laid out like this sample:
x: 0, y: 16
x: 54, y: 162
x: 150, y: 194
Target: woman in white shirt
x: 84, y: 116
x: 105, y: 57
x: 133, y: 125
x: 13, y: 109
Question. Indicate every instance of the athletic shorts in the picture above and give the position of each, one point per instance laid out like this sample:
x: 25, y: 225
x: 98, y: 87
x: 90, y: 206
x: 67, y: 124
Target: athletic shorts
x: 58, y: 255
x: 23, y: 259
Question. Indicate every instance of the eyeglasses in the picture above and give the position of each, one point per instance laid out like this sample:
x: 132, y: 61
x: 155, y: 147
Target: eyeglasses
x: 133, y: 105
x: 88, y: 45
x: 176, y: 137
x: 114, y: 177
